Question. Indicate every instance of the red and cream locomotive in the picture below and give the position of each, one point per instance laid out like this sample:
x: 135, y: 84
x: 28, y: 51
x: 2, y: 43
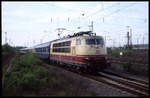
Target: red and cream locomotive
x: 83, y: 50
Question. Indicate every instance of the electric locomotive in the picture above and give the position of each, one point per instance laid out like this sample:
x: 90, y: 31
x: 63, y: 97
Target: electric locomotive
x: 83, y: 50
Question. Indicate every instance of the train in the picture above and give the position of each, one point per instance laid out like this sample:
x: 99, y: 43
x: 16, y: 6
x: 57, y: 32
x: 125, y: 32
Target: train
x: 82, y: 50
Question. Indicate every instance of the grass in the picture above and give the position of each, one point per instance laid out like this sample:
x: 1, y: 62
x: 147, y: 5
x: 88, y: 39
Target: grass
x: 125, y: 52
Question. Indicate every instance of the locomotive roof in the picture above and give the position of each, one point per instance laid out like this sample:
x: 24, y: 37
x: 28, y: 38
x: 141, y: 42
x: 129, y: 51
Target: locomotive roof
x: 68, y: 38
x: 77, y: 35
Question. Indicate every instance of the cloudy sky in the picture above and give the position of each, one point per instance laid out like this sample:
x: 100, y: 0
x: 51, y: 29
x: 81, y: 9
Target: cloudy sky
x: 31, y: 23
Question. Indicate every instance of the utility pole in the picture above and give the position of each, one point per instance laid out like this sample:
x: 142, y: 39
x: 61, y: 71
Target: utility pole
x: 129, y: 42
x: 6, y: 37
x: 114, y: 43
x: 130, y: 38
x: 127, y: 39
x: 138, y: 42
x: 103, y: 10
x: 91, y: 26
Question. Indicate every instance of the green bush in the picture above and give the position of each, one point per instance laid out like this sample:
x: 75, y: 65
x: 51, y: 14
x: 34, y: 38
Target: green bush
x: 25, y: 73
x: 12, y: 79
x: 7, y: 50
x: 28, y: 81
x: 28, y: 60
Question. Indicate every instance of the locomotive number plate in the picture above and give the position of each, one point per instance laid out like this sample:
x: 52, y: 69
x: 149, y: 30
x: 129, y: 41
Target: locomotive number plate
x: 97, y: 51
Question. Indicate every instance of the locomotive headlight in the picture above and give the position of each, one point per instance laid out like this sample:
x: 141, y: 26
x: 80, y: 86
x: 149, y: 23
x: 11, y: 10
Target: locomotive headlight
x: 87, y: 58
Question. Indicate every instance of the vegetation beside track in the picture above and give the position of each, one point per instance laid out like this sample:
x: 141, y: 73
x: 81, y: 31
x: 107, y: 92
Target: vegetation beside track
x: 29, y: 77
x: 7, y: 51
x: 132, y: 61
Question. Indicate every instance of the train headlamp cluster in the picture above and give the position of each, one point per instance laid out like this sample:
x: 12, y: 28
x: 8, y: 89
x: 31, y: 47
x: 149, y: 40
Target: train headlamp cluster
x: 87, y: 58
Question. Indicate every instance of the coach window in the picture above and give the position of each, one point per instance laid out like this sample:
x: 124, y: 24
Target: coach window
x: 67, y: 50
x: 46, y: 49
x: 63, y: 43
x: 68, y: 43
x: 62, y: 49
x: 78, y: 42
x: 55, y: 45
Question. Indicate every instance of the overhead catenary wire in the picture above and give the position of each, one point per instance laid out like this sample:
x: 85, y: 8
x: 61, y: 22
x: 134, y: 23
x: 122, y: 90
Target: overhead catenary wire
x: 114, y: 12
x: 101, y: 10
x: 131, y: 5
x: 110, y: 13
x: 118, y: 10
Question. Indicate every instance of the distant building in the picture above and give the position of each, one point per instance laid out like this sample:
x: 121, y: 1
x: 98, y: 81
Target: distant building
x: 140, y: 46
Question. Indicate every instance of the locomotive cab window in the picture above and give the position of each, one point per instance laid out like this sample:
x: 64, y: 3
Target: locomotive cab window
x: 94, y: 41
x: 100, y: 41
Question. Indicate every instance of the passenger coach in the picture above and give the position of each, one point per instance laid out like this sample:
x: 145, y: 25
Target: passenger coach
x: 42, y: 50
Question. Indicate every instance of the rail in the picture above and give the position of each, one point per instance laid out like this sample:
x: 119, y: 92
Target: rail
x: 135, y: 87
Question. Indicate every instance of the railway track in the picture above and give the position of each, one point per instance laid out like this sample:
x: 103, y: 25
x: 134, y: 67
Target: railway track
x: 143, y: 82
x: 131, y: 86
x: 119, y: 86
x: 135, y: 87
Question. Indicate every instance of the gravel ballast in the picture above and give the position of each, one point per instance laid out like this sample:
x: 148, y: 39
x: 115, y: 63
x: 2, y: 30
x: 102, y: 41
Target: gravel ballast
x: 98, y: 88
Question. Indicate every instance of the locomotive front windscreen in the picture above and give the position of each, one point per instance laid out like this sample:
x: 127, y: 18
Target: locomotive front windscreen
x: 95, y: 42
